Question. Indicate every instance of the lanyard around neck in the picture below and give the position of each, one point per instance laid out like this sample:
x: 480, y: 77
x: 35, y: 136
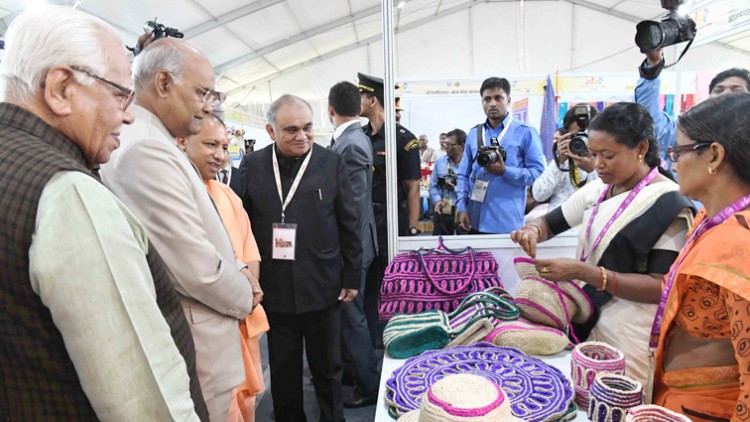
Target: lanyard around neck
x: 295, y: 183
x: 628, y: 200
x: 502, y: 133
x: 703, y: 227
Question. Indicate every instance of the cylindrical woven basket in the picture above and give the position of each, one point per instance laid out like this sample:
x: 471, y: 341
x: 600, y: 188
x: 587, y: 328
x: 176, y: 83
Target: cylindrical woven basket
x: 653, y: 413
x: 611, y: 396
x: 589, y: 359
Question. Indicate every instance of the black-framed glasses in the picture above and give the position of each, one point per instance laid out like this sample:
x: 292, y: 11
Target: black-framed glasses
x: 674, y: 152
x: 129, y: 94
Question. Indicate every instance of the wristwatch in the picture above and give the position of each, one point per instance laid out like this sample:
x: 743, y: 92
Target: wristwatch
x: 413, y: 231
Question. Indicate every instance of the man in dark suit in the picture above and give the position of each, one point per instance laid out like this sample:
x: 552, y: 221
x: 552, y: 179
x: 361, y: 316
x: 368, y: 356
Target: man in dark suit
x: 344, y: 106
x: 229, y: 175
x: 299, y: 199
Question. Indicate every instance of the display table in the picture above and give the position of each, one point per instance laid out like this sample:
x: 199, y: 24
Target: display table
x: 560, y: 361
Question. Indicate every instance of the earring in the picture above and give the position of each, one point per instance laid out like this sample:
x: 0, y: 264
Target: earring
x: 711, y: 170
x: 640, y: 158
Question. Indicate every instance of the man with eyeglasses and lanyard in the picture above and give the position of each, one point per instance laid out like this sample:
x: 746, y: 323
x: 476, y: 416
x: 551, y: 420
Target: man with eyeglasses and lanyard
x: 151, y: 175
x: 443, y: 183
x: 299, y: 198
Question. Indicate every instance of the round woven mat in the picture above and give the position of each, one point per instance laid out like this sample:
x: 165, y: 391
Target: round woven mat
x: 537, y: 391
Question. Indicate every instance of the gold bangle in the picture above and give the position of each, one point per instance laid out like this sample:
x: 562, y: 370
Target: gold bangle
x: 604, y: 279
x: 534, y: 226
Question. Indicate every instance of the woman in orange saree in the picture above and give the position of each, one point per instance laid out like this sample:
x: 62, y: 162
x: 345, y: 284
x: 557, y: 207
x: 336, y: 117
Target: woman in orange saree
x: 701, y: 334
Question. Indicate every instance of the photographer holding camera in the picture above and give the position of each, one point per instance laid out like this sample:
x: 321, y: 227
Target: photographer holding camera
x: 502, y: 157
x: 649, y: 85
x: 443, y: 183
x: 573, y: 166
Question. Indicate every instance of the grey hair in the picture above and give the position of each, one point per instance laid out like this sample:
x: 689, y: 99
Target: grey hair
x: 161, y: 55
x: 41, y: 39
x: 283, y: 100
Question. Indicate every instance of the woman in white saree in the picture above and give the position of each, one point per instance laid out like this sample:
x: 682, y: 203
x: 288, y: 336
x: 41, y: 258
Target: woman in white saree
x: 633, y: 223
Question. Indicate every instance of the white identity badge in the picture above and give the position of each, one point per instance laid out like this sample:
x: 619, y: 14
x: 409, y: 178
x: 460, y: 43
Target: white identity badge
x: 480, y: 189
x: 284, y: 241
x: 285, y: 235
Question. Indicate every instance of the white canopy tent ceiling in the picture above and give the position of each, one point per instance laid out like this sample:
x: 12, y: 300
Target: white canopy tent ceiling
x: 264, y: 48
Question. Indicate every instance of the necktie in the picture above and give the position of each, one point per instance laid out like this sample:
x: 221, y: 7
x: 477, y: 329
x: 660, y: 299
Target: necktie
x: 333, y: 141
x: 224, y: 177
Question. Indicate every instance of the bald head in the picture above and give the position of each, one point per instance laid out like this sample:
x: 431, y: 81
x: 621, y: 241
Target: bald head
x: 166, y: 54
x: 175, y: 81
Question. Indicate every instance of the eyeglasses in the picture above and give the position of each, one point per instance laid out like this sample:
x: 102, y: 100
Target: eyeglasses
x: 211, y: 96
x: 674, y: 152
x: 447, y: 145
x: 128, y: 93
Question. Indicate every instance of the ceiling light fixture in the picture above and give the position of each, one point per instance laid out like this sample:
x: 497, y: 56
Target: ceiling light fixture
x: 401, y: 4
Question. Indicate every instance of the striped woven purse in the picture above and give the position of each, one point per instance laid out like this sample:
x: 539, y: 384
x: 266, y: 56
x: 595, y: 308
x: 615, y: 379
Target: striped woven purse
x: 439, y: 279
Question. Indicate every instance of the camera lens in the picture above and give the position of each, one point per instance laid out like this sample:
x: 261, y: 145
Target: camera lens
x: 579, y: 144
x: 673, y: 29
x: 485, y: 158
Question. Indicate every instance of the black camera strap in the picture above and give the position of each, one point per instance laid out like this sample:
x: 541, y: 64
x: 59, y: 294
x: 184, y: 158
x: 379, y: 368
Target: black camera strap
x: 480, y: 135
x: 683, y: 53
x: 480, y: 141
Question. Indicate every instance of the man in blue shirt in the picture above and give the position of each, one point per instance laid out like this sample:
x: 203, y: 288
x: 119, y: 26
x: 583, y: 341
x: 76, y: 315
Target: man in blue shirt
x: 443, y: 183
x: 647, y: 94
x: 492, y: 198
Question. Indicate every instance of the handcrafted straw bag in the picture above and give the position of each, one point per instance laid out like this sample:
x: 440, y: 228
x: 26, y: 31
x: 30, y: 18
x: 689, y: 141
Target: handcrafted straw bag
x: 554, y: 304
x: 653, y: 413
x: 529, y: 337
x: 436, y: 280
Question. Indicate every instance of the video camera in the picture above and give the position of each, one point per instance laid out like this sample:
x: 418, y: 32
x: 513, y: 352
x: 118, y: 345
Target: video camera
x: 579, y: 144
x: 157, y: 31
x: 491, y: 153
x: 673, y: 29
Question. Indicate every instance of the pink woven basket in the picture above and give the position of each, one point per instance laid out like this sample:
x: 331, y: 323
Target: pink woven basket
x: 587, y: 361
x: 653, y: 413
x: 415, y: 282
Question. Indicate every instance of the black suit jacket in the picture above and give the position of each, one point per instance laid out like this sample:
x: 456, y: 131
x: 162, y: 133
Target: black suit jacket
x: 234, y: 179
x: 328, y: 253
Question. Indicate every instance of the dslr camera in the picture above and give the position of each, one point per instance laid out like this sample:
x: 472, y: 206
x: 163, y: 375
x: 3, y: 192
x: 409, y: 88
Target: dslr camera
x: 157, y: 31
x: 579, y: 144
x: 491, y: 153
x: 673, y: 29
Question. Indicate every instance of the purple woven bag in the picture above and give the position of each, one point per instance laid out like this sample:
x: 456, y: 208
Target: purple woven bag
x: 416, y: 282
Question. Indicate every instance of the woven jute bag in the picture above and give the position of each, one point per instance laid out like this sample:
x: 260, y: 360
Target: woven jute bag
x: 653, y: 413
x: 529, y: 337
x: 554, y: 304
x: 438, y: 279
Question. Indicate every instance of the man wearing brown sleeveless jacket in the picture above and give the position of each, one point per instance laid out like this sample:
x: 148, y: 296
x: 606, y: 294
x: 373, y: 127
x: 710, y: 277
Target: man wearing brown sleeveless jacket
x: 90, y: 325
